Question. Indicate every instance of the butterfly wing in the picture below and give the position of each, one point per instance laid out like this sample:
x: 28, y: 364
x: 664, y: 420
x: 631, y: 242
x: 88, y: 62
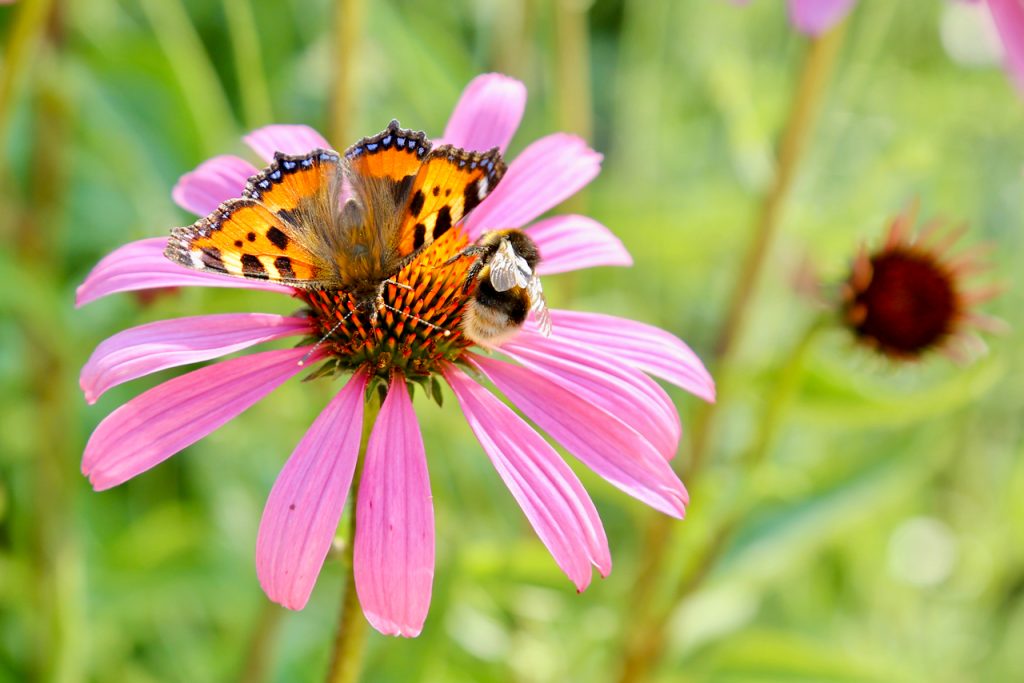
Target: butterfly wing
x: 245, y: 239
x: 380, y: 171
x: 275, y: 231
x: 449, y: 184
x: 393, y: 154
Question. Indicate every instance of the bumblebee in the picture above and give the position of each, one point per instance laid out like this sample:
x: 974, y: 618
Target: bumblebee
x: 505, y: 287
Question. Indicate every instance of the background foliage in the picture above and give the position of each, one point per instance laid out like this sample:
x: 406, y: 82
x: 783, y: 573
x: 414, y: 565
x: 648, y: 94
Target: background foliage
x: 880, y: 538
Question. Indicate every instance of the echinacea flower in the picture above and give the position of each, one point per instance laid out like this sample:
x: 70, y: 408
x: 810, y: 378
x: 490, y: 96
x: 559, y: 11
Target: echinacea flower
x: 1008, y: 16
x: 585, y: 385
x: 910, y: 296
x: 815, y: 17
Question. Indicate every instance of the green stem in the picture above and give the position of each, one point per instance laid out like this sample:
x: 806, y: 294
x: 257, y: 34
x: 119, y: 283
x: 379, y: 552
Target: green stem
x: 197, y: 78
x: 348, y: 22
x: 26, y: 31
x: 780, y: 398
x: 645, y: 641
x: 350, y: 638
x: 819, y: 63
x: 647, y: 638
x: 818, y: 66
x: 258, y: 659
x: 572, y: 61
x: 252, y: 81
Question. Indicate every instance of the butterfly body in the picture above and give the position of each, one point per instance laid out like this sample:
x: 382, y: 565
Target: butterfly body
x: 347, y: 222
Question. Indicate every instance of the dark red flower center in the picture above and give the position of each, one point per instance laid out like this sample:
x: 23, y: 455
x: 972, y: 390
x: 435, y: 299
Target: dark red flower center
x: 418, y: 330
x: 909, y: 305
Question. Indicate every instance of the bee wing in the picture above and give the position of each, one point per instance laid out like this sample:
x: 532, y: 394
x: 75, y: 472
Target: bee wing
x: 539, y: 306
x: 508, y: 269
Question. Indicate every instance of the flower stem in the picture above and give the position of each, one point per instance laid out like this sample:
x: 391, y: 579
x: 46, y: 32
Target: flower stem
x: 350, y: 638
x: 26, y: 30
x: 818, y: 66
x: 195, y: 73
x: 647, y: 638
x: 644, y: 643
x: 252, y: 79
x: 258, y: 658
x: 348, y: 21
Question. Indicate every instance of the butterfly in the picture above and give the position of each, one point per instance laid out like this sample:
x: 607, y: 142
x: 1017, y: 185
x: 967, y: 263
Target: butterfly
x: 347, y: 222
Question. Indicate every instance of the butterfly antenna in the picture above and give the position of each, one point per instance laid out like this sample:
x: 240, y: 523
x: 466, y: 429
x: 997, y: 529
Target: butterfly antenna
x: 324, y: 338
x: 418, y: 319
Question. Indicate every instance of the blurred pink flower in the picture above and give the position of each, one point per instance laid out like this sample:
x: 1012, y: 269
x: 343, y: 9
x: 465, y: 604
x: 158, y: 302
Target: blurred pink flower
x: 814, y: 17
x: 1008, y: 16
x: 585, y: 386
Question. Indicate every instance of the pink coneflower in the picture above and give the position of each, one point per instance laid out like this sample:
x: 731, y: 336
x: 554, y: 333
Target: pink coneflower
x: 585, y: 385
x: 1008, y: 16
x: 814, y: 17
x: 911, y: 296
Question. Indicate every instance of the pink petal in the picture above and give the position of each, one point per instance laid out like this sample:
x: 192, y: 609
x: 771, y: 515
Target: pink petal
x: 643, y: 346
x: 604, y: 443
x: 547, y: 173
x: 814, y: 17
x: 394, y: 550
x: 214, y: 181
x: 171, y: 416
x: 302, y: 512
x: 169, y: 343
x: 488, y: 113
x: 621, y: 390
x: 142, y: 265
x: 1009, y: 20
x: 284, y: 138
x: 547, y: 490
x: 575, y: 242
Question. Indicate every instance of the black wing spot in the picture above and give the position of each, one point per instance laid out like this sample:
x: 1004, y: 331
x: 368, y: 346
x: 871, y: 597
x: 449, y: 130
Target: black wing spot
x: 212, y: 260
x: 277, y: 238
x: 251, y: 267
x: 436, y: 190
x: 284, y: 266
x: 251, y: 237
x: 419, y: 235
x: 416, y: 204
x: 471, y: 196
x: 238, y: 243
x: 444, y: 221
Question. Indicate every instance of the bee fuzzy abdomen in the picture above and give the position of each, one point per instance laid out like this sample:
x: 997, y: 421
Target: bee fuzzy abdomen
x: 493, y: 316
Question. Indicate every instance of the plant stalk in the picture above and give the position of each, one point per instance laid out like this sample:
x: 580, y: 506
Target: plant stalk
x: 350, y: 638
x: 644, y: 645
x: 348, y: 22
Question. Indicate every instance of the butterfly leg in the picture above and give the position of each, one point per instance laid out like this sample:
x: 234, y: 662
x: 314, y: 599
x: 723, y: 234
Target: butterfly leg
x: 475, y: 251
x: 472, y: 251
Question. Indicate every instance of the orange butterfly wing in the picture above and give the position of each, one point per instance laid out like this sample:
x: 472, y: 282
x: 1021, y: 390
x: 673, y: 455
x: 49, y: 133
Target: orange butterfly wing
x: 272, y: 232
x: 299, y: 186
x: 450, y: 183
x: 245, y: 239
x: 395, y: 153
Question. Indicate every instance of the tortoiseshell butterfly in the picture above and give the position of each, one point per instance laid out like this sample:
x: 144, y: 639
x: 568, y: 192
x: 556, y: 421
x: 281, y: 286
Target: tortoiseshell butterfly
x: 348, y: 222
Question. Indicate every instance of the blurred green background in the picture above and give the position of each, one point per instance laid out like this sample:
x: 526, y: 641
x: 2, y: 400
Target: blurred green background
x: 880, y: 539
